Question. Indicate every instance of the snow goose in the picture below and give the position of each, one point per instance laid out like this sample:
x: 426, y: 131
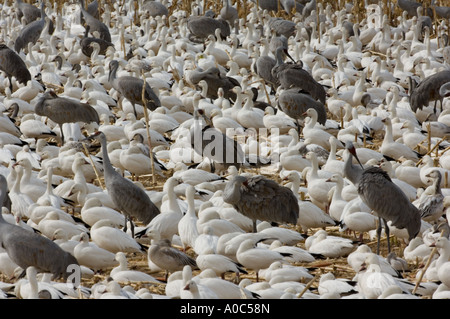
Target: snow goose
x: 223, y: 288
x: 416, y: 250
x: 105, y: 234
x: 187, y: 225
x: 328, y: 283
x: 256, y: 258
x: 20, y: 202
x: 431, y: 201
x: 337, y: 203
x: 312, y: 216
x: 332, y: 247
x: 442, y: 263
x: 206, y: 241
x: 297, y: 254
x: 123, y: 274
x: 92, y: 256
x: 219, y: 264
x: 52, y: 221
x: 64, y: 241
x: 31, y: 185
x: 285, y: 271
x: 192, y: 291
x: 394, y: 149
x: 93, y: 211
x: 284, y: 235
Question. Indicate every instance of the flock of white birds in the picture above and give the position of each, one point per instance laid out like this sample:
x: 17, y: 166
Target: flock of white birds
x: 211, y: 250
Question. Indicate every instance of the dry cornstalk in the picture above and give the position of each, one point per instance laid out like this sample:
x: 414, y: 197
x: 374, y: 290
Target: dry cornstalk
x: 144, y: 102
x: 308, y: 285
x: 430, y: 258
x: 93, y: 165
x: 431, y: 151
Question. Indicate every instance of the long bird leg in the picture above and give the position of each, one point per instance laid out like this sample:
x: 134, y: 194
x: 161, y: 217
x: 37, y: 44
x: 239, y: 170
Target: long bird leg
x: 254, y: 226
x: 299, y: 128
x: 386, y: 231
x: 378, y: 235
x: 62, y: 134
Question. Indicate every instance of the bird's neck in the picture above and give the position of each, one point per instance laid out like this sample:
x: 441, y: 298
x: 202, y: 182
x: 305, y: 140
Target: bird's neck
x: 352, y: 172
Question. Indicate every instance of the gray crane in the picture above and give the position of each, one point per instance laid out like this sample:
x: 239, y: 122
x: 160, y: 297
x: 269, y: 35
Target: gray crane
x: 383, y: 197
x: 260, y: 198
x: 155, y: 8
x: 129, y: 198
x: 282, y: 26
x: 65, y: 110
x: 201, y: 27
x: 411, y: 8
x: 28, y: 11
x: 31, y: 32
x: 294, y: 103
x: 27, y: 248
x: 215, y: 81
x: 293, y: 75
x: 130, y: 87
x: 428, y: 90
x: 162, y: 254
x: 95, y: 24
x: 13, y: 65
x: 86, y: 41
x: 229, y: 14
x: 209, y: 142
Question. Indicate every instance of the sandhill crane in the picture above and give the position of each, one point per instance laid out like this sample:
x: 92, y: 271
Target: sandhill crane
x: 13, y: 65
x: 31, y: 32
x: 209, y: 142
x: 428, y: 90
x: 94, y: 24
x: 28, y: 11
x: 155, y: 8
x: 260, y: 198
x: 27, y: 248
x: 129, y: 198
x: 294, y: 104
x: 86, y: 41
x: 293, y: 75
x: 64, y: 110
x: 215, y: 80
x: 202, y: 26
x: 384, y: 197
x: 130, y: 87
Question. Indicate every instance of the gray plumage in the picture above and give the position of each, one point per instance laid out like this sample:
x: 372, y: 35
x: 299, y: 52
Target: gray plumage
x: 87, y: 49
x: 444, y: 90
x: 155, y: 8
x: 65, y: 110
x: 201, y: 27
x: 229, y: 13
x: 293, y: 75
x: 31, y: 32
x: 263, y: 67
x: 209, y: 142
x: 162, y: 254
x: 431, y: 205
x: 442, y: 11
x: 130, y: 199
x: 13, y: 65
x: 27, y: 248
x: 384, y: 197
x: 130, y: 87
x: 282, y: 27
x: 260, y: 198
x: 27, y: 11
x: 428, y: 90
x: 215, y: 81
x: 411, y: 8
x: 294, y: 104
x: 95, y: 24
